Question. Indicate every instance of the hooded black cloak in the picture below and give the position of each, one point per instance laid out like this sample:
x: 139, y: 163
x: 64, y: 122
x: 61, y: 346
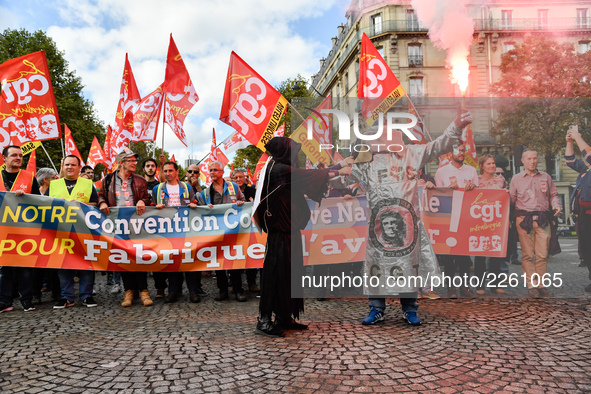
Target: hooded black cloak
x: 283, y: 212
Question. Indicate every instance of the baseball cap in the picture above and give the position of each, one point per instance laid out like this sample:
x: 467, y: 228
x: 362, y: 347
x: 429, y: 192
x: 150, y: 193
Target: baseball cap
x: 125, y: 154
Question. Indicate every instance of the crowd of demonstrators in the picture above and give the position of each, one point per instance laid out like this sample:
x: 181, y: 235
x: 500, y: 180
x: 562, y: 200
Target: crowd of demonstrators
x: 74, y: 187
x: 533, y: 196
x: 222, y: 192
x: 123, y: 188
x: 580, y: 201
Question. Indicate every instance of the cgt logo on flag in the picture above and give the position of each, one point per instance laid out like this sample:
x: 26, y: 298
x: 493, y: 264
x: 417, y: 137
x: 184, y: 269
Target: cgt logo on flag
x: 254, y: 91
x: 251, y: 105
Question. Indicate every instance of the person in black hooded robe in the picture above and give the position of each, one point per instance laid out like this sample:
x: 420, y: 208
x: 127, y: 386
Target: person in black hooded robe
x: 282, y: 213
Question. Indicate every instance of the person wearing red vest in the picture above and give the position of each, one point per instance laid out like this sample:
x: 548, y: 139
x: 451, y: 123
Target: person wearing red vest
x: 74, y: 187
x: 18, y: 182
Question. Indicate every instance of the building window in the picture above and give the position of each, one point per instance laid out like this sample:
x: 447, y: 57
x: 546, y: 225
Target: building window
x: 553, y: 167
x: 412, y: 23
x: 357, y: 70
x: 416, y: 88
x: 507, y: 19
x: 542, y: 19
x: 415, y: 55
x: 381, y: 52
x: 346, y: 84
x: 508, y: 46
x: 583, y: 46
x: 582, y: 18
x: 376, y: 24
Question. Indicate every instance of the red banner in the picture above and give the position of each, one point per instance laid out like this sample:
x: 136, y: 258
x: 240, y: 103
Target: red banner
x: 180, y: 92
x: 28, y: 111
x: 251, y: 105
x: 95, y: 155
x: 147, y: 116
x: 474, y: 223
x: 32, y: 164
x: 129, y: 99
x: 71, y: 148
x: 377, y: 83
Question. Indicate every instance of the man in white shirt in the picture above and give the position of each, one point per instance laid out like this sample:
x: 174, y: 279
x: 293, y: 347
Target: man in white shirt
x: 456, y: 175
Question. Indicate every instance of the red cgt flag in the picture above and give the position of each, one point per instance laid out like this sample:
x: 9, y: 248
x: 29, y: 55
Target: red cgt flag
x: 129, y: 99
x: 216, y: 153
x: 180, y: 92
x: 71, y: 148
x: 95, y: 154
x: 108, y: 151
x: 28, y: 111
x: 251, y: 105
x: 147, y: 116
x: 377, y: 83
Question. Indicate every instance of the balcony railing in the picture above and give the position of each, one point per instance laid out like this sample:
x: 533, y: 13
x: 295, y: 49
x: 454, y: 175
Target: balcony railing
x: 533, y: 24
x: 396, y: 26
x: 415, y: 60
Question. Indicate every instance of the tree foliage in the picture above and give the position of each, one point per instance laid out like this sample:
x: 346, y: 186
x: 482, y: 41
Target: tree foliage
x: 545, y: 88
x: 73, y: 109
x: 292, y: 89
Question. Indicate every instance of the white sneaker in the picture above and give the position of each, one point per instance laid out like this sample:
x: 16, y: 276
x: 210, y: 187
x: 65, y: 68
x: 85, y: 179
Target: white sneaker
x: 116, y: 289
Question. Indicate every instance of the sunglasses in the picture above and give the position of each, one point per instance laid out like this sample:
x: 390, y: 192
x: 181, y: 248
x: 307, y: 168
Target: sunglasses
x: 192, y: 171
x: 499, y: 173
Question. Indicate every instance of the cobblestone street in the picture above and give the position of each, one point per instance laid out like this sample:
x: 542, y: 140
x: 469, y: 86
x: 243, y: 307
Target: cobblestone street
x: 466, y: 345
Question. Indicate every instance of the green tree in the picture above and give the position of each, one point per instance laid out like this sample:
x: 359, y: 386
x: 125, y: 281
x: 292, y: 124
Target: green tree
x: 545, y: 87
x: 73, y: 109
x: 293, y: 89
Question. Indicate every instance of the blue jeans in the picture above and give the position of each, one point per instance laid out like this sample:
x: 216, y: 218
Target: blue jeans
x: 22, y: 277
x: 408, y: 304
x: 67, y: 284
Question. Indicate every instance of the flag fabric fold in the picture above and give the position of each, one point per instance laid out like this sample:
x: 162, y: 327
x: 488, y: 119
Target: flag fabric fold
x: 180, y: 95
x: 147, y: 116
x: 129, y: 99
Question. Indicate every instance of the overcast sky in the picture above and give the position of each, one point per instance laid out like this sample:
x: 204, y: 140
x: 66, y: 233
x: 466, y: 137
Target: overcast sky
x: 279, y: 39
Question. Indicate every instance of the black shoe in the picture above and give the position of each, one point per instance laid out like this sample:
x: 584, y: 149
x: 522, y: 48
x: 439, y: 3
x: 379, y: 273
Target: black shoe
x: 170, y: 298
x: 28, y: 306
x: 222, y: 297
x: 582, y: 264
x: 5, y: 308
x: 194, y: 298
x: 201, y: 292
x: 268, y: 329
x: 63, y: 303
x: 292, y: 325
x: 89, y: 302
x: 240, y: 297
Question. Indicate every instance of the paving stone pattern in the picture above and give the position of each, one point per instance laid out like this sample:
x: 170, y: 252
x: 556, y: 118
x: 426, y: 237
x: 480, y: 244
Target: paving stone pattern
x: 477, y: 346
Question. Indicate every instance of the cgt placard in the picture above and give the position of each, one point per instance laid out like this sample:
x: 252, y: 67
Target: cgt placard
x: 474, y: 223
